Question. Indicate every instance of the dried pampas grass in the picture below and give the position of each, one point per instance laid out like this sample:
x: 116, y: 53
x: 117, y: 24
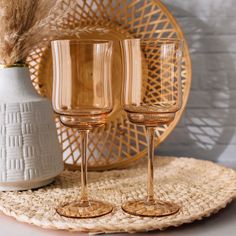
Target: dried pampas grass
x: 27, y: 23
x: 17, y: 17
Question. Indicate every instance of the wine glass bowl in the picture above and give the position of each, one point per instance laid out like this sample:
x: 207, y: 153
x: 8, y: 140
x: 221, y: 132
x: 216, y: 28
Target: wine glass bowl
x: 82, y: 97
x: 152, y: 88
x: 151, y: 96
x: 82, y: 93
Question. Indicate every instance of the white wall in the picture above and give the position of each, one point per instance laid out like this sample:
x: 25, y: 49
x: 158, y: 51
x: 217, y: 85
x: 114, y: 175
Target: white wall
x: 208, y: 127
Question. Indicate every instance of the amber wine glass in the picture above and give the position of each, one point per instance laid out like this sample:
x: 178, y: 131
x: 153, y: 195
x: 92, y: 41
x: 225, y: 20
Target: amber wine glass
x: 82, y: 96
x: 151, y: 96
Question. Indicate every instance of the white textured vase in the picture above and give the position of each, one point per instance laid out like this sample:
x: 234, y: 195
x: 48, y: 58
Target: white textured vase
x: 30, y: 154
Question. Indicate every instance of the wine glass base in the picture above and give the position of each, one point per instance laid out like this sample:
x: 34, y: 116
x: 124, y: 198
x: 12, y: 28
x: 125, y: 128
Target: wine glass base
x: 79, y: 209
x: 150, y: 209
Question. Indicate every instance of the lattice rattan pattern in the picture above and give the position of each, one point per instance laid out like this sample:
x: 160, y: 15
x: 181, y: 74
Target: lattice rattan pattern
x: 118, y: 143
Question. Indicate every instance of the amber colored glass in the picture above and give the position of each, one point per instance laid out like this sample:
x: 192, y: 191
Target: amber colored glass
x: 151, y: 96
x: 82, y: 96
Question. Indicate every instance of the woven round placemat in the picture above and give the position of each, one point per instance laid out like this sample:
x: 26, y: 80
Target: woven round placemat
x: 201, y: 188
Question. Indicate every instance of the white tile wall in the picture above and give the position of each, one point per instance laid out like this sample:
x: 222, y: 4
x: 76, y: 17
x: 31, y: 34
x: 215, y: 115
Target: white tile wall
x: 208, y: 127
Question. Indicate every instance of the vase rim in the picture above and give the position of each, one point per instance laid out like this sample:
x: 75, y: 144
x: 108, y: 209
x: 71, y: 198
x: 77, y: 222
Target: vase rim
x: 12, y: 65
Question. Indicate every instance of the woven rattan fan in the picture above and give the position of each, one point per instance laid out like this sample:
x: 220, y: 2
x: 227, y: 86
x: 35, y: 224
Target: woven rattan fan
x: 118, y: 143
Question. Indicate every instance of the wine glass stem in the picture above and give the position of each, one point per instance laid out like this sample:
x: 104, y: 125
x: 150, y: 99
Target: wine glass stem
x: 150, y: 142
x: 84, y: 187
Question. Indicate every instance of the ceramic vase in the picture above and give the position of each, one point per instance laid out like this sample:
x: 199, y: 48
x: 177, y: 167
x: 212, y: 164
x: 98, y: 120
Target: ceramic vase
x: 30, y: 154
